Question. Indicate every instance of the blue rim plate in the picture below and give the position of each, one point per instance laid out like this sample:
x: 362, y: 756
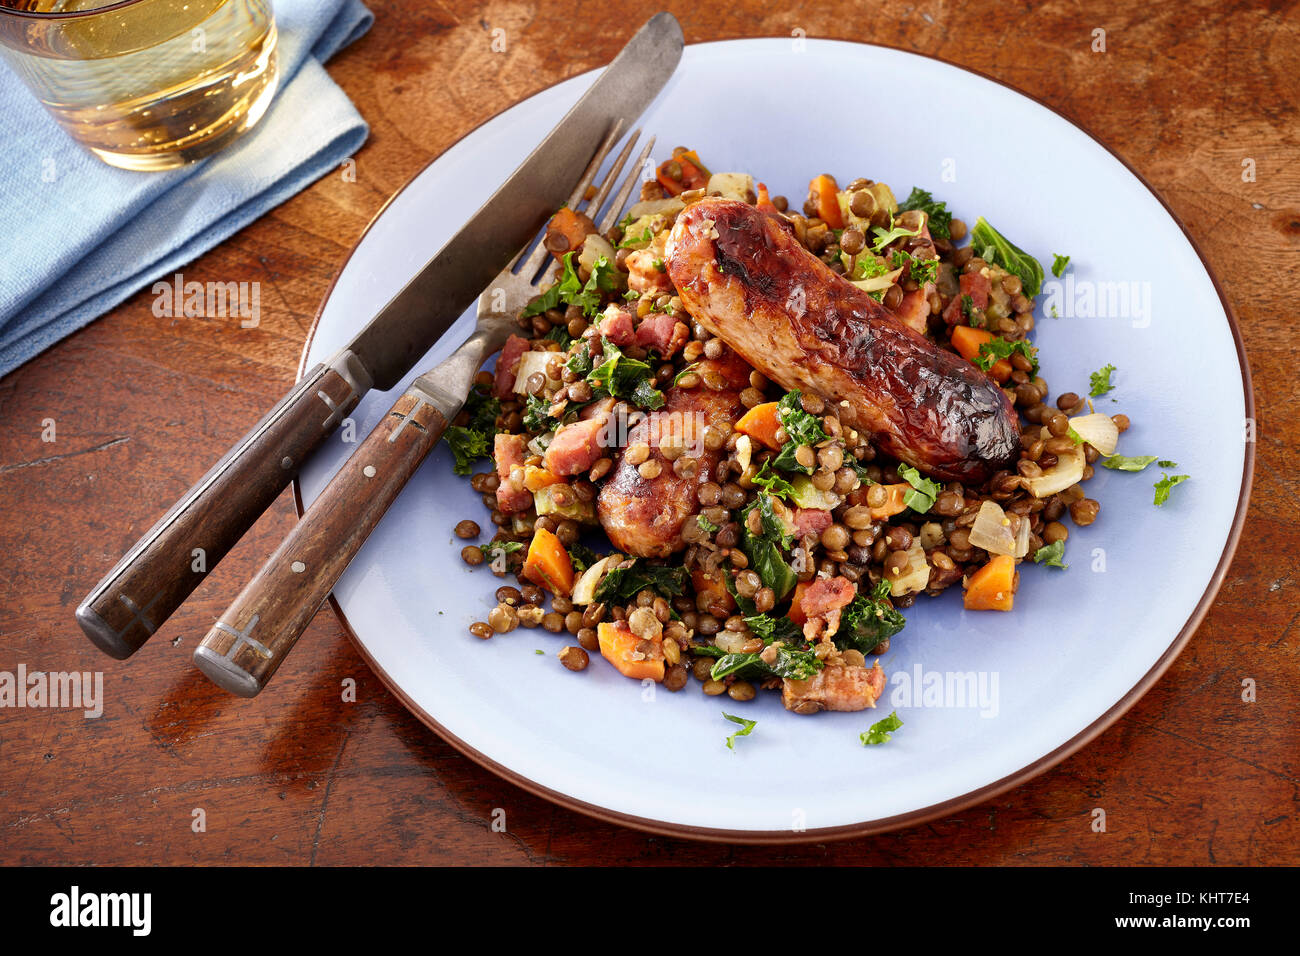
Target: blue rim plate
x: 988, y: 700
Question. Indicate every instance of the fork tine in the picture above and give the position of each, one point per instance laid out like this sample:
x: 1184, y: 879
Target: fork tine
x: 598, y: 200
x: 625, y: 191
x: 534, y: 261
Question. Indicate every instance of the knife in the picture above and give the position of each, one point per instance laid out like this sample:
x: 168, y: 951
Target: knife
x: 172, y: 559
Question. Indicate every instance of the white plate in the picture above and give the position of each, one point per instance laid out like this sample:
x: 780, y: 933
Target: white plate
x: 1081, y: 646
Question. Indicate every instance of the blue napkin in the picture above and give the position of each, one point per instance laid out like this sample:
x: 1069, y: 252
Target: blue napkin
x: 76, y: 245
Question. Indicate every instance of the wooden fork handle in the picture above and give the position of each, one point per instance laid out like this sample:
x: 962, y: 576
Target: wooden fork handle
x: 250, y: 641
x: 158, y: 574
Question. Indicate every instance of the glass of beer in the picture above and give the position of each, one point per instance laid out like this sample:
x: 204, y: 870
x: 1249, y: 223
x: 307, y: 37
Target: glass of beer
x: 145, y: 84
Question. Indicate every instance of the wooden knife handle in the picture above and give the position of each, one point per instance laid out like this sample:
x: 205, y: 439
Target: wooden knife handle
x: 247, y: 645
x: 169, y: 562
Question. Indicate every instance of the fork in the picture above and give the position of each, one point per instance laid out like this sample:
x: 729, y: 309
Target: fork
x: 250, y: 641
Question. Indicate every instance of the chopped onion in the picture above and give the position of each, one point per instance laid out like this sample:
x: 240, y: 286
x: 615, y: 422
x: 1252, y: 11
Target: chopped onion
x: 540, y: 443
x: 1097, y: 430
x: 931, y: 535
x: 876, y: 283
x: 913, y: 578
x: 531, y: 362
x: 593, y: 247
x: 992, y: 530
x: 584, y: 589
x: 731, y: 186
x: 1067, y: 471
x: 656, y: 207
x: 744, y: 452
x: 1022, y: 538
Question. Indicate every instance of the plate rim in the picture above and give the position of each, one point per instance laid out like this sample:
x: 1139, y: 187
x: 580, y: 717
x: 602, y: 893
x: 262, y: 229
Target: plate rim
x: 912, y: 817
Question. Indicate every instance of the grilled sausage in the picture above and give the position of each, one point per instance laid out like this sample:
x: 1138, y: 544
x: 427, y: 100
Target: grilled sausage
x: 644, y: 517
x: 741, y: 274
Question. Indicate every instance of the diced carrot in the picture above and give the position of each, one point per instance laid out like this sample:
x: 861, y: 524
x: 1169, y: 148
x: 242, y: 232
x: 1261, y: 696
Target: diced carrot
x: 765, y: 203
x: 824, y: 191
x: 567, y: 231
x: 694, y: 175
x: 760, y: 423
x: 548, y: 564
x: 718, y: 598
x: 618, y: 645
x: 796, y: 612
x: 967, y: 342
x: 894, y: 504
x: 991, y: 588
x: 537, y: 478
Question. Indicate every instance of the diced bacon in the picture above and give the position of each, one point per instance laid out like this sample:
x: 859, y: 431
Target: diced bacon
x: 617, y: 326
x: 977, y: 287
x: 508, y: 450
x: 598, y: 409
x: 663, y: 333
x: 644, y: 276
x: 576, y: 447
x: 507, y: 363
x: 811, y: 520
x: 827, y: 594
x: 838, y: 687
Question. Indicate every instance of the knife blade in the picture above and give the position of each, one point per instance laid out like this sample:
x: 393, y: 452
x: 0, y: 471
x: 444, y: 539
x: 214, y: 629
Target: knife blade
x: 173, y: 558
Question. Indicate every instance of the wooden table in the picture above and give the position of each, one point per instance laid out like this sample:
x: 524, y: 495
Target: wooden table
x: 143, y: 405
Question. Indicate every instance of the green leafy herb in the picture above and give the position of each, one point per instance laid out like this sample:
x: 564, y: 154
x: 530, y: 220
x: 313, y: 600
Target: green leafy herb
x: 769, y: 629
x: 560, y: 333
x: 1166, y: 484
x: 624, y: 377
x: 764, y: 550
x: 473, y: 440
x: 868, y: 621
x: 999, y: 348
x: 919, y: 271
x: 1100, y: 381
x: 624, y: 583
x: 579, y: 363
x: 1165, y: 463
x: 789, y: 662
x: 773, y: 483
x: 467, y: 445
x: 868, y: 267
x: 581, y: 556
x: 924, y: 491
x: 802, y: 429
x: 1134, y: 463
x: 568, y: 286
x: 537, y: 414
x: 705, y: 525
x: 659, y: 265
x: 974, y: 317
x: 570, y: 290
x: 1059, y: 263
x: 936, y: 212
x: 881, y: 731
x: 996, y: 248
x: 1051, y: 555
x: 689, y: 369
x: 629, y: 241
x: 885, y: 236
x: 745, y: 725
x: 499, y: 547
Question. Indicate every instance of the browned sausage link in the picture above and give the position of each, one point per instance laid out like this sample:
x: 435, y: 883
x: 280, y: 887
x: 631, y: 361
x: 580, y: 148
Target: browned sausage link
x: 644, y: 516
x: 745, y: 277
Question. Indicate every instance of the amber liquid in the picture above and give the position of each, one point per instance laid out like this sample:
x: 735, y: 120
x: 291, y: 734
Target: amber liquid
x: 156, y: 84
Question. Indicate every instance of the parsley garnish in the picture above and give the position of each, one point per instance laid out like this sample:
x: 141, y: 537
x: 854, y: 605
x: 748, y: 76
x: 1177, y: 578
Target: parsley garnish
x: 885, y: 236
x: 801, y: 427
x: 1100, y: 381
x: 1059, y: 263
x: 570, y: 290
x: 924, y: 491
x: 936, y: 213
x: 746, y: 727
x: 881, y: 730
x: 999, y: 348
x: 1051, y: 555
x: 1135, y: 463
x: 705, y: 525
x: 473, y: 440
x: 1166, y: 484
x: 624, y: 377
x: 624, y: 583
x: 919, y: 271
x: 773, y: 483
x: 629, y: 241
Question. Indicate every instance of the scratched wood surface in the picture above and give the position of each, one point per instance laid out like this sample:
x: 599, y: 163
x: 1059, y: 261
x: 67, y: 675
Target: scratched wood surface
x: 142, y: 405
